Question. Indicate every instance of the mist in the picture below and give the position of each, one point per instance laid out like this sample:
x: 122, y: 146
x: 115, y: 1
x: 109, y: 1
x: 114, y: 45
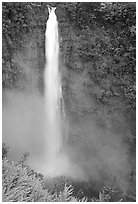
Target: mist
x: 93, y: 151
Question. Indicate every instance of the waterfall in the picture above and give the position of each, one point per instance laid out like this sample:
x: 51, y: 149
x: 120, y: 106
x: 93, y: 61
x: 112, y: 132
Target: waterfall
x: 53, y: 91
x: 54, y: 162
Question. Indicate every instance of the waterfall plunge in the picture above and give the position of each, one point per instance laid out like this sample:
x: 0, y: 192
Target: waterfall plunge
x: 58, y: 164
x: 54, y: 162
x: 53, y: 93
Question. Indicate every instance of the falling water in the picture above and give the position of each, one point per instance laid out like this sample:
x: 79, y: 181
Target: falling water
x: 53, y: 92
x: 55, y: 162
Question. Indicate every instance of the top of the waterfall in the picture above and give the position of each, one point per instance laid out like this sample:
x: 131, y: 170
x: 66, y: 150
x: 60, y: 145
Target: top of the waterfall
x: 51, y: 9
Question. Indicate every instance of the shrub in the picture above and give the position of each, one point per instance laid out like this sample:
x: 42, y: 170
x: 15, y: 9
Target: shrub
x: 20, y: 184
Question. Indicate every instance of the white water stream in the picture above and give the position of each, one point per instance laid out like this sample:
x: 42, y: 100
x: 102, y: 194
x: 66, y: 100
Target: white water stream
x: 53, y: 93
x: 54, y: 162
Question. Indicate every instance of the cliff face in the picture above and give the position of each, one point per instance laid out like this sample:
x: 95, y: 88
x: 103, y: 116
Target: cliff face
x: 99, y: 83
x: 93, y: 40
x: 97, y: 63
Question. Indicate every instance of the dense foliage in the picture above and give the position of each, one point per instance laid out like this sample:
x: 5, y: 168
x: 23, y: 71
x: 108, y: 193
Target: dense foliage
x: 21, y: 184
x: 105, y: 45
x: 20, y: 25
x: 110, y: 52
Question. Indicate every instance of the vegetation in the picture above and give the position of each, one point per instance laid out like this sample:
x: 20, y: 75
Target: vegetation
x: 21, y: 184
x: 98, y: 44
